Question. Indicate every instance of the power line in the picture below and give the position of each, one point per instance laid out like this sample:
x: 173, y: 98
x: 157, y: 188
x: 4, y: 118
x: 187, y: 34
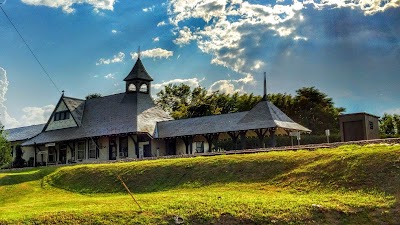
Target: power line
x: 33, y: 54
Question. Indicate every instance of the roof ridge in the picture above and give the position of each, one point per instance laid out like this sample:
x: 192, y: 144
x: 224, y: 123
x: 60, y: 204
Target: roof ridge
x: 204, y: 116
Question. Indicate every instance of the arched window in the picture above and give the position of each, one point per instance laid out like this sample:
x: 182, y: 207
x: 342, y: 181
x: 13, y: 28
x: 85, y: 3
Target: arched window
x: 143, y: 88
x: 132, y: 87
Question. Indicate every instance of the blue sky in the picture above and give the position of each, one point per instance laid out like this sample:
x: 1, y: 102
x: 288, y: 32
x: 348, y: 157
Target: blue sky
x: 348, y: 49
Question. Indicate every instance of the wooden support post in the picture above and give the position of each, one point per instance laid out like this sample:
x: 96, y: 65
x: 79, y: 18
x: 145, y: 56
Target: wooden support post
x: 35, y: 161
x: 188, y: 140
x: 261, y: 136
x: 211, y: 138
x: 136, y: 143
x: 234, y: 135
x: 242, y: 139
x: 272, y: 138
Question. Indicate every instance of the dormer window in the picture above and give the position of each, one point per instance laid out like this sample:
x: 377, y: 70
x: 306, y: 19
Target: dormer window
x: 143, y: 88
x: 62, y: 115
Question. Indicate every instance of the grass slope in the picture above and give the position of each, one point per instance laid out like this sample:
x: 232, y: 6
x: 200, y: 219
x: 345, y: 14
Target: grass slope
x: 347, y: 185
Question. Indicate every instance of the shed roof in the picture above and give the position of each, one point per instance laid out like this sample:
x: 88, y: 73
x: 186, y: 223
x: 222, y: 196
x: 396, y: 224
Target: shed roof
x: 23, y: 133
x: 108, y: 115
x: 263, y: 115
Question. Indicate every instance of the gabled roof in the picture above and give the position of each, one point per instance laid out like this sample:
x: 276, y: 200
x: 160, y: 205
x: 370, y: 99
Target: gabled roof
x: 264, y: 115
x: 75, y: 106
x: 23, y: 133
x: 138, y: 72
x: 114, y: 114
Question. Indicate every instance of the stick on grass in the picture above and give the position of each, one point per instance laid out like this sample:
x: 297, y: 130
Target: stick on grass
x: 127, y: 189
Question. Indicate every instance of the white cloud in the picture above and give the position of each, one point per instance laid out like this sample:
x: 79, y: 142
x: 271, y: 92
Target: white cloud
x: 31, y: 115
x: 156, y: 39
x: 226, y: 86
x: 36, y: 115
x: 114, y: 31
x: 109, y: 76
x: 153, y: 53
x: 149, y: 9
x: 67, y: 5
x: 370, y: 7
x: 162, y: 23
x: 192, y: 82
x: 116, y: 59
x: 239, y: 34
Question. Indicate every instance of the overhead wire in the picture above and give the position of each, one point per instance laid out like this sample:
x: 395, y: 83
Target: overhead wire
x: 40, y: 64
x: 29, y: 48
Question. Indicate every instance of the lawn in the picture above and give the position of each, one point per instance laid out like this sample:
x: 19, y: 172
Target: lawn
x: 347, y: 185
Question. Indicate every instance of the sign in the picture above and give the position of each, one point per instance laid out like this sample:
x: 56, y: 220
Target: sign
x: 328, y: 132
x: 294, y: 133
x: 50, y: 144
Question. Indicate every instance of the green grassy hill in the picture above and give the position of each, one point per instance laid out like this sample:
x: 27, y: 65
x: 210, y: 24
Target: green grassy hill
x: 347, y: 185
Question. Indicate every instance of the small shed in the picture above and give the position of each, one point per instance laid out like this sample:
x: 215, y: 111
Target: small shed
x: 358, y: 126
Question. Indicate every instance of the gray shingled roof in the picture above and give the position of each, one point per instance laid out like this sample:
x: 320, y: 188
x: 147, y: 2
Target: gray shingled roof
x: 76, y: 107
x: 263, y: 115
x: 138, y: 72
x: 114, y: 114
x: 23, y: 133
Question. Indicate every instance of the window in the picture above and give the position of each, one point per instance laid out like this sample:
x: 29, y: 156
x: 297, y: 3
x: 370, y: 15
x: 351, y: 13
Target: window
x: 62, y: 115
x: 81, y: 150
x: 132, y: 87
x: 92, y: 149
x: 123, y: 147
x: 371, y: 125
x: 52, y: 154
x: 199, y: 147
x: 143, y: 88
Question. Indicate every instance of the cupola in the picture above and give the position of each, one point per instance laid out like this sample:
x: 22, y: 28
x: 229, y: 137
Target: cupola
x: 138, y: 80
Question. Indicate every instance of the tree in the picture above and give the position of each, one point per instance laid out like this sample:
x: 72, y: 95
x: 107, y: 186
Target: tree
x: 396, y: 121
x: 93, y: 95
x: 316, y: 111
x: 310, y: 107
x: 387, y: 125
x: 5, y: 149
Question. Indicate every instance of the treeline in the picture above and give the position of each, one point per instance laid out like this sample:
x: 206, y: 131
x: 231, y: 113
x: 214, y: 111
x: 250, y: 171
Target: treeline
x: 389, y: 125
x: 309, y: 107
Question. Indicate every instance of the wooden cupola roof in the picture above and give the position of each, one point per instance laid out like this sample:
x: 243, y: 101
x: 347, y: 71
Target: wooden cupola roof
x: 138, y: 72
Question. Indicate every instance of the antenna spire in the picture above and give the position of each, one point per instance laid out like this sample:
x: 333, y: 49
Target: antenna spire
x: 138, y: 52
x: 265, y: 87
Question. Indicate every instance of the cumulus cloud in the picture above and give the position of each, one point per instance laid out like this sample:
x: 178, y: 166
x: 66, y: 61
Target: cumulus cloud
x: 192, y: 82
x: 156, y: 39
x: 109, y: 76
x: 153, y: 53
x: 162, y: 23
x: 67, y: 5
x: 114, y: 31
x: 31, y: 115
x: 116, y: 59
x: 149, y: 9
x: 245, y: 36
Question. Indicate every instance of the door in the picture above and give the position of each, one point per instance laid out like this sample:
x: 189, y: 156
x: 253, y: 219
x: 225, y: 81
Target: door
x: 63, y: 154
x: 353, y: 130
x: 147, y: 150
x: 113, y: 149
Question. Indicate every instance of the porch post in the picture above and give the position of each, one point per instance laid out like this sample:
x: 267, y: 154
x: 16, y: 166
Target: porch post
x: 261, y: 137
x: 243, y: 139
x: 272, y: 138
x: 234, y: 136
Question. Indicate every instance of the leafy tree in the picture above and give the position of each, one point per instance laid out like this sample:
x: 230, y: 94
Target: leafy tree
x: 5, y: 149
x: 316, y: 111
x: 396, y: 121
x: 93, y: 95
x: 309, y: 107
x: 387, y: 125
